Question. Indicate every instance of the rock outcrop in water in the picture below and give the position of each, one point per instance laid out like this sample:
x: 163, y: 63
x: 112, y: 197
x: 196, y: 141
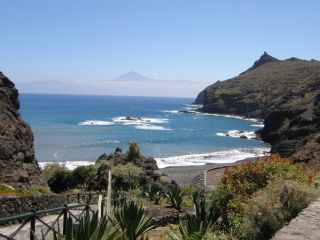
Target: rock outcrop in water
x: 285, y: 93
x: 18, y: 166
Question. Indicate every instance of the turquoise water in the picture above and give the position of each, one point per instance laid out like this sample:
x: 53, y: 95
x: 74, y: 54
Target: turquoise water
x: 69, y: 128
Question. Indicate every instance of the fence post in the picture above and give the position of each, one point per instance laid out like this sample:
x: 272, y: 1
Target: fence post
x: 68, y: 198
x: 87, y: 209
x: 78, y: 197
x: 65, y: 218
x: 33, y: 225
x: 102, y: 207
x: 109, y: 194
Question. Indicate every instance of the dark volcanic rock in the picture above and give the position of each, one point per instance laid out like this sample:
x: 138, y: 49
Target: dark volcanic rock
x: 18, y: 166
x: 285, y: 93
x: 162, y: 216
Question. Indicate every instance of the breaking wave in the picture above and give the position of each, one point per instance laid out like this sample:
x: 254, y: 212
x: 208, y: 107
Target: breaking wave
x: 152, y: 127
x: 238, y: 134
x: 95, y: 123
x: 228, y: 156
x: 139, y: 120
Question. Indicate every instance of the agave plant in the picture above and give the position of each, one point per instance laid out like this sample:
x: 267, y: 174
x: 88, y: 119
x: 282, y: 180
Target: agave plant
x: 205, y: 214
x: 190, y: 229
x: 90, y: 228
x: 174, y: 193
x: 195, y: 226
x: 154, y: 194
x: 131, y: 221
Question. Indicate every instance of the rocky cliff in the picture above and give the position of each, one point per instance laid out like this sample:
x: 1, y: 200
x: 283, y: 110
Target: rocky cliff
x: 285, y: 94
x: 18, y: 166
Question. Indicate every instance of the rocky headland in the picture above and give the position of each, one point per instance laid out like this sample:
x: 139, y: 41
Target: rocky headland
x: 283, y: 93
x: 18, y: 166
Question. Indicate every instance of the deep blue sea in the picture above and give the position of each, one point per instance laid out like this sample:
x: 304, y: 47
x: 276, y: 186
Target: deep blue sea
x: 77, y: 129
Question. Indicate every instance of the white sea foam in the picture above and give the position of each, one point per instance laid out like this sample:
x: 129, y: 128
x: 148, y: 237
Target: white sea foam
x: 171, y: 111
x: 238, y: 134
x: 138, y: 120
x: 229, y: 116
x: 257, y: 125
x: 221, y: 134
x: 96, y: 123
x: 152, y: 127
x: 228, y: 156
x: 71, y: 165
x: 193, y: 108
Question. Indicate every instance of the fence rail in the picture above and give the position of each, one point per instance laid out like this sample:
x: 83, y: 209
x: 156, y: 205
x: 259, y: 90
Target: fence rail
x: 84, y: 204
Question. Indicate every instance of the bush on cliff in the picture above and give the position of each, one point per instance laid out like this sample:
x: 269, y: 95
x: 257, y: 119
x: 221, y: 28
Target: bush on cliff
x: 272, y: 207
x: 51, y: 169
x: 127, y: 176
x: 60, y: 181
x: 133, y: 151
x: 81, y: 175
x: 234, y: 194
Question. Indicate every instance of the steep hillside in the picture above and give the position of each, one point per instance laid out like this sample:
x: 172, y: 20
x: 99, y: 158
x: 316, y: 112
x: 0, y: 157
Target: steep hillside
x: 285, y: 93
x: 18, y: 166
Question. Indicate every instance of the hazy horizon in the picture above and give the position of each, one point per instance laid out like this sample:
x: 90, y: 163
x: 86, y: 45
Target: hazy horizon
x: 74, y: 47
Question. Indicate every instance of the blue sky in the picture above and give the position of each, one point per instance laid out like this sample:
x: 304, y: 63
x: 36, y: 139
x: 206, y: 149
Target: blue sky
x: 193, y: 40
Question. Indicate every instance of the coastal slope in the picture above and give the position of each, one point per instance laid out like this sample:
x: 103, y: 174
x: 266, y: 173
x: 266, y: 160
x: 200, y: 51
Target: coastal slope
x: 283, y: 93
x: 18, y: 166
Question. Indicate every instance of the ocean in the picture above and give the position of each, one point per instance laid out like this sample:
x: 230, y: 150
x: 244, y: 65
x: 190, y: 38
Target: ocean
x: 76, y: 130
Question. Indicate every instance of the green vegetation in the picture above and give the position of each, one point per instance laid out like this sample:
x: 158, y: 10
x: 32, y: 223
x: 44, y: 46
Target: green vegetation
x: 272, y: 207
x: 252, y: 201
x: 174, y: 194
x: 153, y: 193
x: 127, y: 176
x: 50, y: 170
x: 131, y: 221
x: 241, y: 184
x: 7, y: 190
x: 196, y: 225
x: 133, y: 152
x: 130, y: 170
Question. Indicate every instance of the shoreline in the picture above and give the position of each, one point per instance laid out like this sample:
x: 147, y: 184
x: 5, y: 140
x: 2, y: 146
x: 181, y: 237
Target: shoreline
x: 185, y: 175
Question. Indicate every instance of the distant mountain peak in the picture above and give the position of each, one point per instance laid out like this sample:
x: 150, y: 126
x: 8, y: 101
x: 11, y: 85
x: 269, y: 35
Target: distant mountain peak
x: 265, y: 58
x: 132, y: 76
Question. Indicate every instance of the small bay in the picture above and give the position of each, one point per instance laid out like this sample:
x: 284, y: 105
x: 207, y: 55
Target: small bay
x: 77, y: 129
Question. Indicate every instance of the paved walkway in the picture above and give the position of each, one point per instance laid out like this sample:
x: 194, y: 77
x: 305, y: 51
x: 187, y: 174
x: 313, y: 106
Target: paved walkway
x: 305, y: 226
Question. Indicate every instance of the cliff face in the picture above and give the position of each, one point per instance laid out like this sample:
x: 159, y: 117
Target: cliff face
x: 18, y: 166
x: 285, y: 93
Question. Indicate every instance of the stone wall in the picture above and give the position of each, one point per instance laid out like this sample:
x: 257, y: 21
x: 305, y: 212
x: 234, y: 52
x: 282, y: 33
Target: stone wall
x: 12, y: 206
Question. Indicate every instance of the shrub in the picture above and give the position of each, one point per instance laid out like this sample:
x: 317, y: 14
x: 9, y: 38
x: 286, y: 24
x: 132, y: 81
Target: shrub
x: 165, y: 180
x: 195, y: 226
x: 131, y: 221
x: 153, y: 193
x: 272, y: 207
x: 50, y: 170
x: 133, y: 151
x: 174, y: 194
x: 7, y: 190
x: 240, y: 182
x: 38, y: 189
x: 127, y: 176
x: 83, y: 174
x: 60, y: 181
